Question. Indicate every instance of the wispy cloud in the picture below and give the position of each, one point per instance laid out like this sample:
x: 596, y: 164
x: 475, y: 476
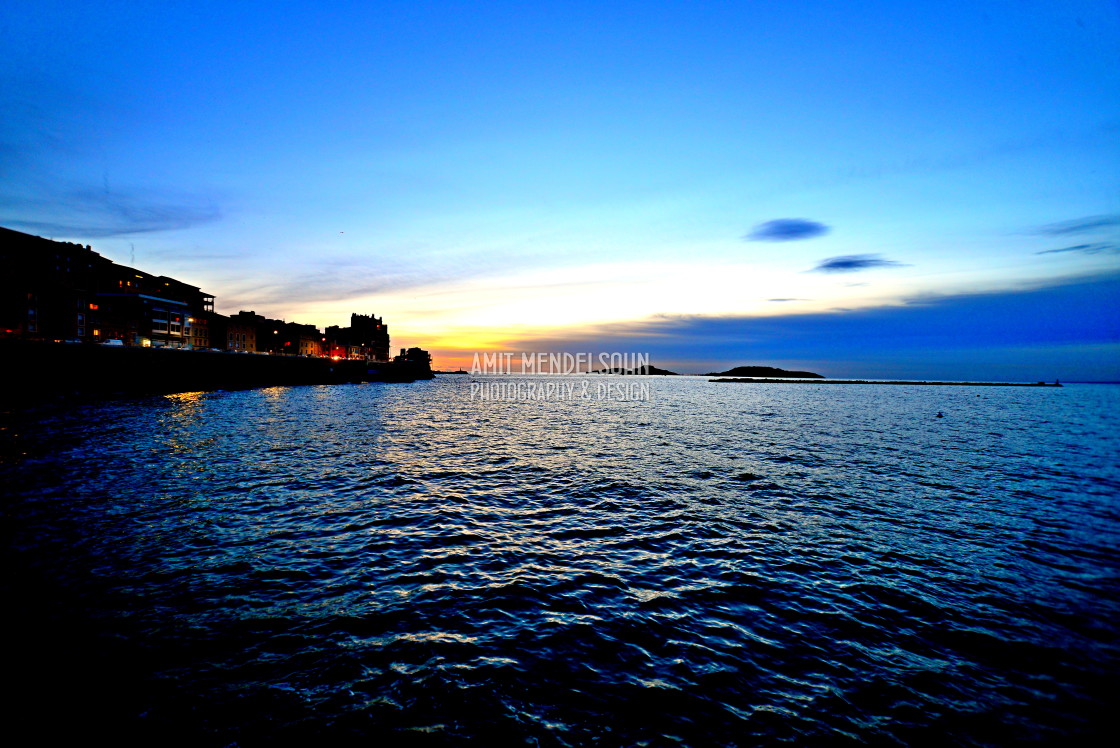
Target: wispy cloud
x: 329, y: 283
x: 919, y: 162
x: 786, y: 229
x: 788, y: 299
x: 206, y: 257
x: 343, y: 278
x: 854, y: 264
x: 43, y: 136
x: 98, y: 213
x: 1085, y: 225
x: 1088, y: 249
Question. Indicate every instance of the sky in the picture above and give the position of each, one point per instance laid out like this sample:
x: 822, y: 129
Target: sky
x: 875, y: 189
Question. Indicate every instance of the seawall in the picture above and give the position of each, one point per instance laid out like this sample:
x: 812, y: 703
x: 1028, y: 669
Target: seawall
x: 32, y: 368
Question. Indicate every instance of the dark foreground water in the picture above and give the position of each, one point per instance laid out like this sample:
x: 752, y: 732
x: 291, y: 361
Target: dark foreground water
x: 722, y: 565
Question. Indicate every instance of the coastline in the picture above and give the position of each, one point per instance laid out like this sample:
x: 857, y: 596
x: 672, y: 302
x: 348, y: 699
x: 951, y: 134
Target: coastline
x: 43, y: 369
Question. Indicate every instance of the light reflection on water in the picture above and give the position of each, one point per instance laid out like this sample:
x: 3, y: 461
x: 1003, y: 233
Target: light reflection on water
x: 721, y: 564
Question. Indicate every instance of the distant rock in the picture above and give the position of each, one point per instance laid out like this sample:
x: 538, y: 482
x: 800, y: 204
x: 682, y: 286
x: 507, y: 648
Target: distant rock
x: 764, y: 371
x: 637, y: 370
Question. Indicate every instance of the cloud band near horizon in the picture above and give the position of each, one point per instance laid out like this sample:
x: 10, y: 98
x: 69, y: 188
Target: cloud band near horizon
x: 998, y: 334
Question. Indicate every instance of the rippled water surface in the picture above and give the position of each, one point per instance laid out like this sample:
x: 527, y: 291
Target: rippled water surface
x: 721, y: 565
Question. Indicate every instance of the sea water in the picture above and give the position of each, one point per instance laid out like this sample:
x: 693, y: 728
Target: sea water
x: 690, y: 563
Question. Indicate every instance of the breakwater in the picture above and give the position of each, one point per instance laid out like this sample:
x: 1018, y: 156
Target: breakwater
x: 34, y: 368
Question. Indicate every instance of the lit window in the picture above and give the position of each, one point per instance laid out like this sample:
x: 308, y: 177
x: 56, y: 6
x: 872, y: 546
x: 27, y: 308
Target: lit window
x: 94, y: 306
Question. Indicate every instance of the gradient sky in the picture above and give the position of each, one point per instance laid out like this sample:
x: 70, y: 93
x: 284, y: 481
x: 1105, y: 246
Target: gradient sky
x: 867, y: 189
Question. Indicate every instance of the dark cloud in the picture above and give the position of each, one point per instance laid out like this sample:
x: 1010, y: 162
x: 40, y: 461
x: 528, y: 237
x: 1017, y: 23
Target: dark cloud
x: 1070, y: 329
x: 1089, y: 249
x: 58, y: 126
x: 99, y: 213
x: 854, y: 263
x: 1080, y: 225
x: 786, y: 229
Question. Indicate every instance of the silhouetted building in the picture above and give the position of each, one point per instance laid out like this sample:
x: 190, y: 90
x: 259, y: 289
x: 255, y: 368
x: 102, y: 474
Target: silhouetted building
x: 415, y: 356
x: 367, y: 337
x: 372, y: 334
x: 199, y: 327
x: 240, y: 337
x: 62, y: 291
x: 231, y: 334
x: 302, y: 340
x: 67, y: 292
x: 47, y: 288
x: 249, y: 331
x: 148, y: 310
x: 265, y: 332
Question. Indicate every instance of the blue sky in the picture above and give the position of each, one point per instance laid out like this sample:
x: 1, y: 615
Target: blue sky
x: 528, y: 176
